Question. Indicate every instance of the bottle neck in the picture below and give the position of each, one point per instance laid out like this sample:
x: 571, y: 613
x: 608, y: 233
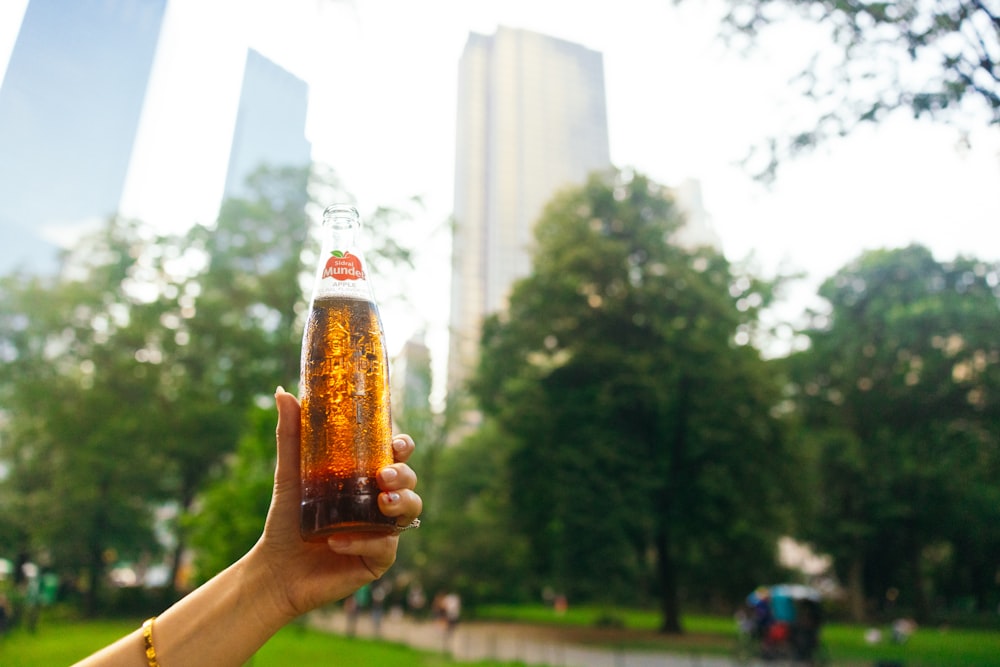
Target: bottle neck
x: 342, y: 270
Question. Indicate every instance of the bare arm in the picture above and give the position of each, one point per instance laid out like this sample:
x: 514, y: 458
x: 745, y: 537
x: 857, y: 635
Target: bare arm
x: 228, y: 618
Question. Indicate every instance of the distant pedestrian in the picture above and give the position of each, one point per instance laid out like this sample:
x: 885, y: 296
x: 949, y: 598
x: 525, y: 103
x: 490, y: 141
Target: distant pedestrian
x: 452, y: 607
x: 416, y: 600
x: 763, y: 618
x: 902, y: 629
x: 351, y: 611
x: 379, y: 594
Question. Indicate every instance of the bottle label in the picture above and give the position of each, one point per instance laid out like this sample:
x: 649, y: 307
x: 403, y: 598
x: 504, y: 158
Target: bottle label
x: 343, y: 266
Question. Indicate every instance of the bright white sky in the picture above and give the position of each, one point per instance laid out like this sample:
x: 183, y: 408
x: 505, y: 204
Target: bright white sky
x: 383, y: 73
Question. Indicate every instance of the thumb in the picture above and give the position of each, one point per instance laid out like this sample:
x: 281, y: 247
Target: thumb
x: 286, y: 473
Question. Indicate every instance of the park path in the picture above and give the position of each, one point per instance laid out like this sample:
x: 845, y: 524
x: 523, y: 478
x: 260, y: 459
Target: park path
x: 471, y: 641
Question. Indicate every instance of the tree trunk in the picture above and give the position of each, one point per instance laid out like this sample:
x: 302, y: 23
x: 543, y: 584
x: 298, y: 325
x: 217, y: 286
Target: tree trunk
x: 856, y: 588
x: 921, y: 603
x: 187, y: 503
x: 95, y: 574
x: 667, y: 571
x: 95, y: 554
x: 173, y: 588
x: 666, y: 562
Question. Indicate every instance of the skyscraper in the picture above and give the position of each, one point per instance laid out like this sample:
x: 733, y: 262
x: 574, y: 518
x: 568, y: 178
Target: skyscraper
x: 69, y: 109
x: 410, y: 387
x: 532, y: 120
x: 270, y: 123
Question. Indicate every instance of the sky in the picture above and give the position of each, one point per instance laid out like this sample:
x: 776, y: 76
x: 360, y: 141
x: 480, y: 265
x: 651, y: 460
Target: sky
x: 681, y: 105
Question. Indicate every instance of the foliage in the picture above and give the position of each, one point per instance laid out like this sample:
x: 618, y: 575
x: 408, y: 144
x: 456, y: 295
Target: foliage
x: 643, y: 451
x: 900, y: 391
x: 937, y: 59
x: 79, y: 443
x: 472, y: 546
x: 427, y: 558
x: 234, y: 327
x: 128, y: 378
x: 233, y: 507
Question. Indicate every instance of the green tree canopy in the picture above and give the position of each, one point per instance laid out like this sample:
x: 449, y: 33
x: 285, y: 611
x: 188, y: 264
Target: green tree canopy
x: 79, y: 374
x: 128, y: 377
x: 900, y: 390
x: 644, y: 449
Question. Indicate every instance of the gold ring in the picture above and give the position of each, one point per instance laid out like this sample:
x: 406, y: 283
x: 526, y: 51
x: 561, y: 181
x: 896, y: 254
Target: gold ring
x: 413, y: 524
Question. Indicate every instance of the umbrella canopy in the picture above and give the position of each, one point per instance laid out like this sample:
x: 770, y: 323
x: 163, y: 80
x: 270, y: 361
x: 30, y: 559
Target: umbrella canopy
x: 795, y: 592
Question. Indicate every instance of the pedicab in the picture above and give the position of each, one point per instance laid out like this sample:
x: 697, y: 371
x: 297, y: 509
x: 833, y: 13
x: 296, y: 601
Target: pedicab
x: 783, y: 622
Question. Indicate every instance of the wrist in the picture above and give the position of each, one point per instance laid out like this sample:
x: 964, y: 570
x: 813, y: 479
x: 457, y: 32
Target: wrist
x: 263, y: 579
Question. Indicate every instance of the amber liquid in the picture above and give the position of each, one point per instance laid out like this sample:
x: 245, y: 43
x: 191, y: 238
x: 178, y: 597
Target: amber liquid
x: 346, y: 429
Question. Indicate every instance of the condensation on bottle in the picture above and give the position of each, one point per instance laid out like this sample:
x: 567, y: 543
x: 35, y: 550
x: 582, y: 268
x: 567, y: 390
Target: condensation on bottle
x: 346, y: 426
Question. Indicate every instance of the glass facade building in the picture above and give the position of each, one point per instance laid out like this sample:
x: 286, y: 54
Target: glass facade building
x: 70, y: 105
x: 532, y: 120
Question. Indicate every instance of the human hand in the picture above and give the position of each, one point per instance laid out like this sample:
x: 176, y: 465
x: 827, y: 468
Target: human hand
x: 305, y: 575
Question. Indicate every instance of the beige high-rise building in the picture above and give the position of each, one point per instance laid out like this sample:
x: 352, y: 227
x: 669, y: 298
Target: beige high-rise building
x: 532, y: 120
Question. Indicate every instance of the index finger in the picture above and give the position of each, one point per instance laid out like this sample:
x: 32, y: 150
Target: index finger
x: 402, y: 447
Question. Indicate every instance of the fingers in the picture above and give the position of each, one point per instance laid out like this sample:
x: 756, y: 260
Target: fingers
x: 378, y: 548
x: 403, y: 503
x: 398, y: 499
x: 397, y: 482
x: 402, y: 447
x: 397, y: 476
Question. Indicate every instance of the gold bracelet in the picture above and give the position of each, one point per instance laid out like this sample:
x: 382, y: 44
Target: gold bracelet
x: 147, y: 640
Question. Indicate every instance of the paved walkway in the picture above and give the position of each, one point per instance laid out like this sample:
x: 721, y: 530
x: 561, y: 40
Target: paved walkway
x: 496, y: 641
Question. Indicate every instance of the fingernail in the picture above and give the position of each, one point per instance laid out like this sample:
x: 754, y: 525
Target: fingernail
x: 339, y: 543
x: 391, y: 497
x: 399, y: 444
x: 279, y: 390
x: 388, y: 474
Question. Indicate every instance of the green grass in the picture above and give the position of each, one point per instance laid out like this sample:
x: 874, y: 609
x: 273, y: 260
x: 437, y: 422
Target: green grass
x: 928, y: 647
x: 64, y: 643
x: 58, y: 644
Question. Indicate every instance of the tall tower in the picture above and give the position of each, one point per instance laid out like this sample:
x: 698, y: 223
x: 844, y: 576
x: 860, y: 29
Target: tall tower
x: 69, y: 109
x: 532, y: 120
x: 410, y: 387
x: 270, y: 123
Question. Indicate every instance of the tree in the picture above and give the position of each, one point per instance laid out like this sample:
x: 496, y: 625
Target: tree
x: 128, y: 378
x: 937, y: 59
x: 228, y: 332
x: 79, y: 443
x: 643, y: 446
x: 470, y: 542
x: 234, y: 504
x: 900, y: 390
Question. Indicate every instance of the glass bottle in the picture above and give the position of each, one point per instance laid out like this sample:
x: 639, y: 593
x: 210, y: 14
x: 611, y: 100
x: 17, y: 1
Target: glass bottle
x: 346, y: 427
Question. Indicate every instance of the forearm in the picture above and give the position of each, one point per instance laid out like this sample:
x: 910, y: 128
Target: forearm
x: 222, y: 623
x: 226, y: 620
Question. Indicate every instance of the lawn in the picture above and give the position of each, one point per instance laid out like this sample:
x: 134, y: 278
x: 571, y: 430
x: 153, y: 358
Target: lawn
x: 846, y: 645
x: 64, y: 643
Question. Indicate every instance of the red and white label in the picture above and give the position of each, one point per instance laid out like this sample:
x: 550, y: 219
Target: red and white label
x: 343, y: 266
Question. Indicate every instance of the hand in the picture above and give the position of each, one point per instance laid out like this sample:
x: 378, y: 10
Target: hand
x: 306, y: 575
